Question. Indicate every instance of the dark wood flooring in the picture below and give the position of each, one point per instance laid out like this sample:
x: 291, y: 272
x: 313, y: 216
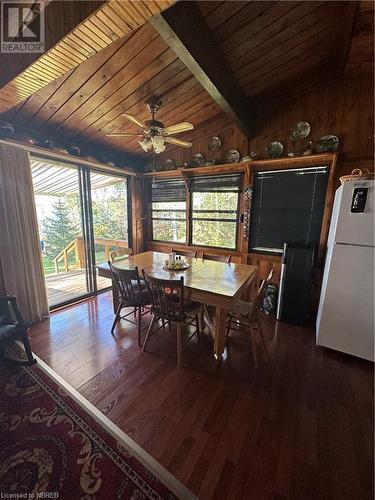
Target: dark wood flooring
x: 299, y: 427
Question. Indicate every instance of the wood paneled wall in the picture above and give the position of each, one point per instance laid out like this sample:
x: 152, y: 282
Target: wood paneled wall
x: 341, y: 107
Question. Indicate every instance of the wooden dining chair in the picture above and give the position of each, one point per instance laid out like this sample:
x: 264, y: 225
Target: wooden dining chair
x: 245, y: 315
x: 216, y: 257
x: 120, y: 252
x: 132, y: 293
x: 169, y: 305
x: 185, y: 253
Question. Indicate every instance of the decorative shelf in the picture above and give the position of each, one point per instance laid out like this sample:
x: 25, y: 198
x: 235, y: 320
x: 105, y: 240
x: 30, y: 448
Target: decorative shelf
x: 243, y: 166
x: 67, y: 158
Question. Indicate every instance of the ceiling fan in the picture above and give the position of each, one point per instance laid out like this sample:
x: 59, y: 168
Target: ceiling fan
x: 154, y: 134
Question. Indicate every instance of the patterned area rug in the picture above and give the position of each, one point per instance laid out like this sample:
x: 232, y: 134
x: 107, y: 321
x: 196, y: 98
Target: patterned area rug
x: 50, y: 443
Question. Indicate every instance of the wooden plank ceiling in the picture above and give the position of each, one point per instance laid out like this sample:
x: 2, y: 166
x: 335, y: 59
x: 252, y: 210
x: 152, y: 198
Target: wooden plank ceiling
x: 267, y: 44
x: 108, y: 23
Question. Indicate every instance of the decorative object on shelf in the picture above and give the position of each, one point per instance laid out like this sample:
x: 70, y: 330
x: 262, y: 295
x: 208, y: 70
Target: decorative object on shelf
x: 60, y: 149
x: 214, y: 143
x: 358, y: 175
x: 154, y: 134
x: 74, y: 150
x: 209, y: 163
x: 248, y: 192
x: 309, y: 150
x: 6, y: 130
x: 169, y: 164
x: 25, y: 138
x: 275, y: 150
x: 46, y: 143
x: 301, y: 130
x: 327, y: 144
x: 232, y: 156
x: 252, y: 156
x: 199, y: 160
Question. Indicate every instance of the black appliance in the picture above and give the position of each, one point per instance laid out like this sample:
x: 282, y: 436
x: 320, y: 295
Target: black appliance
x: 295, y: 283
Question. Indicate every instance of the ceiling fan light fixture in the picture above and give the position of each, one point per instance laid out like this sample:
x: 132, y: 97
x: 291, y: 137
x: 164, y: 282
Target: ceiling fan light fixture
x: 146, y: 144
x: 158, y: 144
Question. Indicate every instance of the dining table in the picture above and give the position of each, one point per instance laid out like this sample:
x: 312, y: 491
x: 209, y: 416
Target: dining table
x: 209, y: 282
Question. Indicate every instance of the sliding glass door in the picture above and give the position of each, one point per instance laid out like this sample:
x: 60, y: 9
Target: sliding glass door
x: 110, y: 217
x: 58, y: 196
x: 82, y: 217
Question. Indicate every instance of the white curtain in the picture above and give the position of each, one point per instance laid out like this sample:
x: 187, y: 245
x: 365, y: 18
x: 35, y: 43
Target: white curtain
x: 20, y: 256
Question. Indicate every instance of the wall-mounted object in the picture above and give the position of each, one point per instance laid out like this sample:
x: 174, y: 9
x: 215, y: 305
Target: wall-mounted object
x: 246, y: 211
x: 214, y: 144
x: 301, y: 130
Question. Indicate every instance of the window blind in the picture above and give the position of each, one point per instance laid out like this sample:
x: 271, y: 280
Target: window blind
x: 216, y: 183
x: 287, y: 206
x: 168, y: 191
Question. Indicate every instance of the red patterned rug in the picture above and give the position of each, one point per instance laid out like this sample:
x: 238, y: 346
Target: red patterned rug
x: 53, y: 444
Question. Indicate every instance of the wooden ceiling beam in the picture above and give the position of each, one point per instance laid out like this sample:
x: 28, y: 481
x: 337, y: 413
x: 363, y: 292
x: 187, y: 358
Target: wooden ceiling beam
x: 201, y: 54
x: 347, y: 29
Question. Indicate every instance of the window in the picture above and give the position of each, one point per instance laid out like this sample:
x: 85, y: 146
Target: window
x: 287, y: 206
x: 215, y: 203
x: 169, y: 211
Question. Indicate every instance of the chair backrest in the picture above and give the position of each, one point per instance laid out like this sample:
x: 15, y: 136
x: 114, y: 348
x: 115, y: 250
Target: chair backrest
x: 217, y: 257
x: 115, y: 254
x: 185, y: 253
x: 127, y: 283
x: 167, y: 297
x: 261, y: 290
x: 9, y: 312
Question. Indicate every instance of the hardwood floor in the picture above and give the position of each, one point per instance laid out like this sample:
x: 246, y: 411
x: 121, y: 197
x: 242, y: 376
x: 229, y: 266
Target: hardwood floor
x: 69, y: 285
x: 300, y: 427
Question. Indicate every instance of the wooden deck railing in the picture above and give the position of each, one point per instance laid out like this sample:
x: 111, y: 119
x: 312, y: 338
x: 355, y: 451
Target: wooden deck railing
x: 77, y: 247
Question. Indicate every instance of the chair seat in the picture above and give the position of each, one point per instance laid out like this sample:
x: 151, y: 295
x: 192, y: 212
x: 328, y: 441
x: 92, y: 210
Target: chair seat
x: 242, y: 309
x: 8, y: 331
x: 141, y: 296
x: 174, y: 307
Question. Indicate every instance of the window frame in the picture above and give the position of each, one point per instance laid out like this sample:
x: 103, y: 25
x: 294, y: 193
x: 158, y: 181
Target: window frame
x: 168, y: 219
x: 189, y: 218
x: 236, y: 220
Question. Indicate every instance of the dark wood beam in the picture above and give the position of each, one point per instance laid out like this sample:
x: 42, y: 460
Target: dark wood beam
x: 186, y: 32
x: 347, y: 30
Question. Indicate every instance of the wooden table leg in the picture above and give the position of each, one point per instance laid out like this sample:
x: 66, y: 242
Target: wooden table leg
x: 219, y: 338
x: 114, y: 297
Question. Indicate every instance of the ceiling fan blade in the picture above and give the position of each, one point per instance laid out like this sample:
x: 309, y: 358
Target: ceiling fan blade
x: 134, y: 119
x: 184, y: 144
x: 121, y: 134
x: 178, y: 128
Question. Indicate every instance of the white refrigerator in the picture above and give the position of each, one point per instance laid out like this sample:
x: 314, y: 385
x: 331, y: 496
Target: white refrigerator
x: 345, y: 320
